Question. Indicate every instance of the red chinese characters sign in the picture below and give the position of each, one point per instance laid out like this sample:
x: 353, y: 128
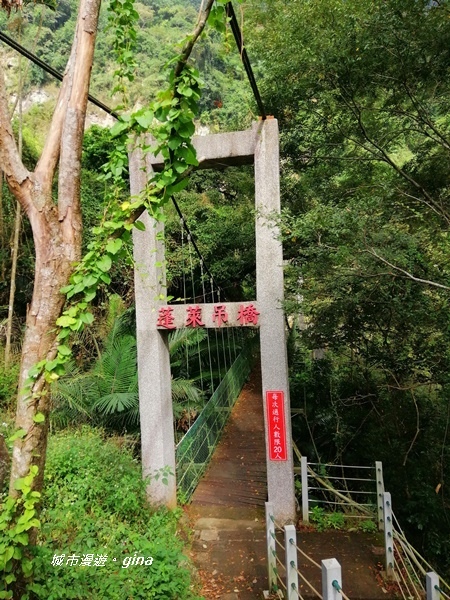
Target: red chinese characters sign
x: 231, y: 314
x: 166, y: 318
x: 276, y: 425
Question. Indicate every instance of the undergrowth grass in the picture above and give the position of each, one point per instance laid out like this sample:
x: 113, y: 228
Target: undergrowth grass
x: 94, y: 509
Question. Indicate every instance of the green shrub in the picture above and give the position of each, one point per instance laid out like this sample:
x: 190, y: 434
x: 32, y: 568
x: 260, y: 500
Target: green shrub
x: 368, y: 526
x: 323, y: 520
x: 94, y: 510
x: 8, y: 384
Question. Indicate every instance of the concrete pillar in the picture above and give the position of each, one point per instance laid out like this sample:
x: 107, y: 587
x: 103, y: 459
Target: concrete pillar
x: 331, y: 579
x: 271, y: 549
x: 388, y: 535
x: 290, y: 546
x: 380, y: 492
x: 155, y: 395
x: 432, y: 583
x: 305, y: 494
x: 270, y: 293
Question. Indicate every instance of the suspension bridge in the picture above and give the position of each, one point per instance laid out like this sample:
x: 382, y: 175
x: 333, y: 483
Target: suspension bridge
x: 242, y: 490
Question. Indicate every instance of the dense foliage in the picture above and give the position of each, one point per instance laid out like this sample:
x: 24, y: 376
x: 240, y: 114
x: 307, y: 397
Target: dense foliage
x: 94, y: 504
x: 362, y: 93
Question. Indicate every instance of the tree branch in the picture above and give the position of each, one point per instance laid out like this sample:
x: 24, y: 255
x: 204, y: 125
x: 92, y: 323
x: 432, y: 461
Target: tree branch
x: 406, y: 273
x: 74, y: 118
x: 46, y: 165
x: 200, y: 26
x: 413, y: 441
x: 356, y: 111
x: 11, y: 164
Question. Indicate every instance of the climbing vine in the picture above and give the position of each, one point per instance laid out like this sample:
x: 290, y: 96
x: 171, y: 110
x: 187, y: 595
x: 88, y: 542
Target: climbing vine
x: 170, y: 122
x: 17, y: 518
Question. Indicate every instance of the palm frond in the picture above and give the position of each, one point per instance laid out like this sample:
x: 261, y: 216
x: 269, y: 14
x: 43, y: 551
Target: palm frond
x: 117, y: 402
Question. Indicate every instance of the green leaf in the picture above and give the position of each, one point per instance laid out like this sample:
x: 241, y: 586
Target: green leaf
x: 87, y: 318
x: 8, y: 553
x: 105, y: 263
x: 177, y: 187
x: 144, y: 118
x: 19, y: 434
x: 186, y: 130
x: 39, y: 417
x: 105, y: 278
x: 139, y: 225
x: 189, y: 155
x: 22, y: 538
x: 64, y: 350
x: 180, y: 167
x: 90, y: 295
x: 118, y: 128
x: 89, y: 281
x: 113, y: 246
x: 65, y: 321
x: 174, y: 142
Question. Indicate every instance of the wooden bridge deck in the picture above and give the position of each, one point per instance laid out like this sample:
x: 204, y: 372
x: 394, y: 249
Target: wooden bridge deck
x: 227, y: 516
x: 236, y: 476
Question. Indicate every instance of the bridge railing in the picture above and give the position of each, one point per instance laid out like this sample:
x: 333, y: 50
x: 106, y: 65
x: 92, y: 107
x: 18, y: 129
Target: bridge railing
x: 283, y: 571
x: 357, y: 491
x: 195, y: 449
x: 413, y: 575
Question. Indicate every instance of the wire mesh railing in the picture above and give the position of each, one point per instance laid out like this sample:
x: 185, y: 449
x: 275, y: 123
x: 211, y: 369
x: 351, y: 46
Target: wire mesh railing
x: 195, y: 449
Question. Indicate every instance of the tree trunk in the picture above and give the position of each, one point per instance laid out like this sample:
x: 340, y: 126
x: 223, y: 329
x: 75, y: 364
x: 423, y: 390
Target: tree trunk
x: 55, y: 257
x: 12, y: 285
x: 56, y: 232
x: 17, y: 224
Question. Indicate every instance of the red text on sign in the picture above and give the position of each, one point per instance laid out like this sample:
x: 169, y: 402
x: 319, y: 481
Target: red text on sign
x: 276, y: 425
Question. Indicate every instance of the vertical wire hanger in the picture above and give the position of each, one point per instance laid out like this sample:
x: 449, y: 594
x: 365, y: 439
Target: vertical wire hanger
x: 202, y: 275
x: 194, y: 296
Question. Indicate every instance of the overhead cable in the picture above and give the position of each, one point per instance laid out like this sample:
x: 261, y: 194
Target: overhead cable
x: 48, y: 69
x: 199, y: 254
x: 244, y: 57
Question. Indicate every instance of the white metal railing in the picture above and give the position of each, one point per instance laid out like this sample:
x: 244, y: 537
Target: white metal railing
x: 413, y: 575
x: 434, y: 587
x: 403, y: 564
x: 355, y: 490
x: 284, y: 574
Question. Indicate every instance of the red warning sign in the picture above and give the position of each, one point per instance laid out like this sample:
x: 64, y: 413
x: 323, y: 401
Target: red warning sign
x: 276, y: 425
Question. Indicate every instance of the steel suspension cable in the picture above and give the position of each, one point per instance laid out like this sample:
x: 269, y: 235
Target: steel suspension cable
x: 244, y: 57
x: 194, y: 244
x: 207, y: 331
x: 186, y: 343
x: 50, y: 70
x: 211, y: 281
x: 224, y: 352
x: 193, y: 294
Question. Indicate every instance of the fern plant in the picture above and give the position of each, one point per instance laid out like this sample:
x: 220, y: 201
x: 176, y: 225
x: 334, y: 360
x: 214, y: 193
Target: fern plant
x: 107, y: 393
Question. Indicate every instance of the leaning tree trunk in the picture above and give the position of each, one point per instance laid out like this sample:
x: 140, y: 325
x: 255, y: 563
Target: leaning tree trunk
x: 56, y: 231
x: 55, y: 256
